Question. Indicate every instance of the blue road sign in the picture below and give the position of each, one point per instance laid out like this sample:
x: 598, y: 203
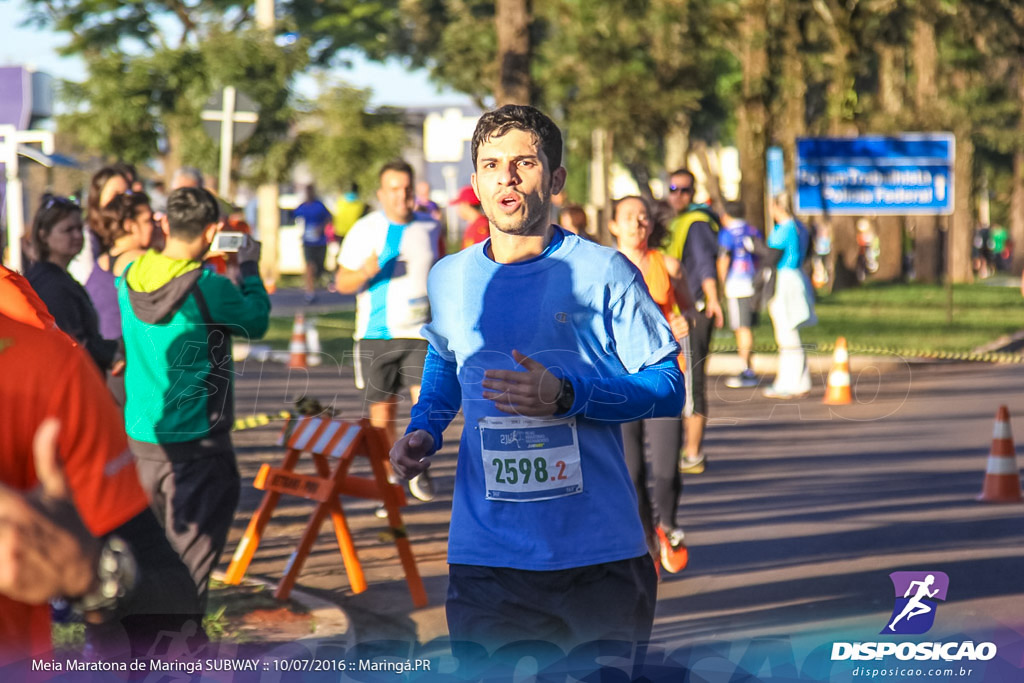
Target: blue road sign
x: 900, y: 175
x: 776, y: 172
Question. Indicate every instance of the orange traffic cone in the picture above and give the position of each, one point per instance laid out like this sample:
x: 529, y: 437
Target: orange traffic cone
x: 297, y: 347
x: 1002, y: 478
x: 837, y: 391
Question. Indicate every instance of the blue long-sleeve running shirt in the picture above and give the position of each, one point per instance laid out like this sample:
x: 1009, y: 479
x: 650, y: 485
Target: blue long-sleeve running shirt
x: 553, y: 493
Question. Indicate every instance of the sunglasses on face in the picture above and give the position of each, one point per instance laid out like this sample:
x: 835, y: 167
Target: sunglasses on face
x: 678, y: 188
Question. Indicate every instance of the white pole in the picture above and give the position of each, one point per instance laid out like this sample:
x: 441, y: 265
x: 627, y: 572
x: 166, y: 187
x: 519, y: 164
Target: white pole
x: 268, y: 216
x: 12, y: 194
x: 15, y: 220
x: 227, y: 141
x: 450, y: 173
x: 265, y: 14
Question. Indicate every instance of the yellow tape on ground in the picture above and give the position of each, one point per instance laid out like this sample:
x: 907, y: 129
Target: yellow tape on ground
x: 998, y: 358
x: 260, y: 420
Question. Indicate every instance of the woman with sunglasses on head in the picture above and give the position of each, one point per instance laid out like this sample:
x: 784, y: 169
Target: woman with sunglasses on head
x: 57, y: 237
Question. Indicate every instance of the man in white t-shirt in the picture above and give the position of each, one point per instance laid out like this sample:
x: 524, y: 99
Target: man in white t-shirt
x: 384, y: 260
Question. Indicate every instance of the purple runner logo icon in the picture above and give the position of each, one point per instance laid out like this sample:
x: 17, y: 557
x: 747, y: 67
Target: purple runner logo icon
x: 916, y: 594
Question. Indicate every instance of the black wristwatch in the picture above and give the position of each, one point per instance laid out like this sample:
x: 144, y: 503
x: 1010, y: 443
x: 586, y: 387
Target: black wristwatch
x: 566, y: 397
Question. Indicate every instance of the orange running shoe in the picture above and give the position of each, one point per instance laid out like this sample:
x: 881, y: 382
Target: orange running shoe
x: 674, y: 555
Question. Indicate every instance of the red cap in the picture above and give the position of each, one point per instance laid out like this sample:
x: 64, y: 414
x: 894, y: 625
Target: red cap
x: 467, y: 196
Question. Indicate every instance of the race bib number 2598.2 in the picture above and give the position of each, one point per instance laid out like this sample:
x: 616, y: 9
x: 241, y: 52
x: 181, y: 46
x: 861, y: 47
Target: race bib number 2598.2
x: 527, y: 460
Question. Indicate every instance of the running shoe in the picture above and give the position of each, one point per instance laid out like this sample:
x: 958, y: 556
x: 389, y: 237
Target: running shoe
x: 421, y: 487
x: 380, y: 512
x: 309, y: 297
x: 747, y: 378
x: 691, y: 464
x: 674, y: 554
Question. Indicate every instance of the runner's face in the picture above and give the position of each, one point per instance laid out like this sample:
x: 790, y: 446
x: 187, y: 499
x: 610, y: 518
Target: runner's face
x: 682, y: 195
x: 515, y: 184
x: 65, y: 238
x: 631, y: 226
x: 143, y: 226
x: 395, y: 196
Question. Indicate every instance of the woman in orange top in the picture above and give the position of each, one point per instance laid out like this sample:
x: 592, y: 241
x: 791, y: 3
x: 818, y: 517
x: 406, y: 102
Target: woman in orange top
x: 666, y: 281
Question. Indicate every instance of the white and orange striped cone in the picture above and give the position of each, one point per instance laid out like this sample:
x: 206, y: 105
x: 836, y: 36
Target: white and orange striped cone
x: 313, y: 349
x: 297, y: 347
x: 1002, y: 478
x: 837, y: 389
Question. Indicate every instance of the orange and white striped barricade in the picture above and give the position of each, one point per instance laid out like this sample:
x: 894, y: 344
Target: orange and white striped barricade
x: 325, y: 440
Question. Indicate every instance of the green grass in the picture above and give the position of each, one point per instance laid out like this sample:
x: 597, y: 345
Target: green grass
x: 335, y: 329
x: 68, y: 637
x: 227, y: 606
x: 909, y: 317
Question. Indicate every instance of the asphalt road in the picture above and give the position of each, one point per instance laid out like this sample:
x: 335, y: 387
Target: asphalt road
x: 803, y: 512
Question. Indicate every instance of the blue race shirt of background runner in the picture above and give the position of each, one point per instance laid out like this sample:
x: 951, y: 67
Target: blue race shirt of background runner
x: 739, y: 281
x: 314, y: 218
x: 792, y: 238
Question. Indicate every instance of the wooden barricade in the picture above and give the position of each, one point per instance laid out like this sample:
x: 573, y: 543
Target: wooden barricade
x: 326, y: 439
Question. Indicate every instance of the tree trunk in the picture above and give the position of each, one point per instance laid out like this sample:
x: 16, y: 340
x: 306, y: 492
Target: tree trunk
x: 891, y: 77
x: 791, y: 123
x: 927, y: 246
x: 961, y: 231
x: 642, y: 175
x: 927, y: 243
x: 600, y: 181
x: 1017, y: 191
x: 677, y: 144
x: 171, y: 158
x: 512, y: 19
x: 1017, y: 212
x: 926, y: 71
x: 837, y: 91
x: 713, y: 183
x: 752, y: 117
x: 890, y: 258
x: 835, y: 18
x: 844, y: 251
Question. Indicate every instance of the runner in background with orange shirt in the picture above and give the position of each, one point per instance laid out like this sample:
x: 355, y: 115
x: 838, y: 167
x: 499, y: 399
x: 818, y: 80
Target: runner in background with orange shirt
x: 20, y: 302
x: 666, y: 281
x: 43, y: 375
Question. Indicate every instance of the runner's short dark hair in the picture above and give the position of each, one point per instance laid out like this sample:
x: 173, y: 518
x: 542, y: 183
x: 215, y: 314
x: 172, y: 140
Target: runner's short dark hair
x: 734, y: 208
x: 189, y: 211
x: 616, y: 203
x: 400, y: 165
x: 684, y: 171
x: 497, y: 123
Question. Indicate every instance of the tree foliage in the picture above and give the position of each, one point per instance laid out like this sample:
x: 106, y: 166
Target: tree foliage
x: 152, y: 64
x: 343, y: 142
x: 654, y: 74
